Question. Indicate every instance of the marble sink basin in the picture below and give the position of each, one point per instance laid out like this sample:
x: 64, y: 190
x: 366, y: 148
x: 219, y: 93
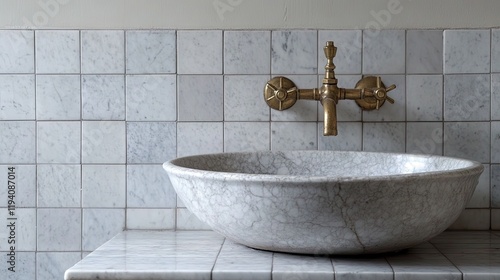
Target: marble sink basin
x: 325, y: 202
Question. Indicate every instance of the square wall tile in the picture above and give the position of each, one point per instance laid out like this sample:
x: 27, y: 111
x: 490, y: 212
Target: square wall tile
x: 58, y: 97
x: 424, y: 51
x: 424, y: 138
x: 384, y: 53
x: 243, y: 98
x: 17, y: 96
x: 495, y: 186
x: 294, y: 136
x: 103, y: 97
x: 53, y: 265
x: 348, y: 57
x: 495, y: 50
x: 481, y: 196
x: 58, y: 142
x: 103, y: 51
x: 199, y: 52
x: 25, y: 178
x: 384, y: 137
x: 100, y: 225
x: 495, y: 97
x: 391, y: 112
x: 17, y: 142
x: 246, y: 136
x: 200, y: 97
x: 151, y: 51
x: 151, y: 142
x: 472, y: 219
x: 469, y: 140
x: 467, y: 51
x: 148, y: 186
x: 57, y: 51
x: 151, y: 98
x: 495, y: 142
x: 25, y: 230
x: 199, y: 138
x: 247, y: 52
x: 349, y: 138
x: 103, y: 142
x: 294, y: 52
x: 467, y: 97
x: 302, y: 110
x: 59, y: 185
x: 103, y: 186
x: 151, y: 219
x: 17, y: 51
x: 25, y: 267
x: 59, y: 229
x: 424, y: 98
x: 188, y: 221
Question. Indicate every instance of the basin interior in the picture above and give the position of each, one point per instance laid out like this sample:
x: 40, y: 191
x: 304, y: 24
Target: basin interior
x: 323, y: 163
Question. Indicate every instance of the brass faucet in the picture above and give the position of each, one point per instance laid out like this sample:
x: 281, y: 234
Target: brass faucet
x: 369, y: 93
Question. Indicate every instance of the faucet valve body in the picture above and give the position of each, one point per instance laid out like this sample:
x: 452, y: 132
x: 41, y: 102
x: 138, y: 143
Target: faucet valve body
x: 370, y: 93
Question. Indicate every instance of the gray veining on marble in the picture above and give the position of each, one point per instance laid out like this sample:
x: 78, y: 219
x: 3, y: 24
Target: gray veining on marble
x: 467, y: 97
x: 17, y: 142
x: 150, y: 142
x: 467, y: 51
x: 311, y: 201
x: 458, y: 139
x: 57, y: 51
x: 58, y: 142
x: 201, y: 98
x: 384, y: 51
x: 247, y: 52
x: 150, y: 51
x: 58, y: 185
x: 17, y: 51
x: 424, y: 138
x: 242, y: 98
x: 103, y: 97
x: 384, y: 137
x: 103, y: 142
x: 424, y: 97
x: 151, y: 98
x: 59, y: 229
x: 199, y: 52
x: 58, y: 97
x: 246, y: 136
x: 294, y: 52
x: 207, y: 255
x: 152, y: 219
x: 103, y: 51
x: 103, y: 186
x: 424, y: 51
x: 17, y: 97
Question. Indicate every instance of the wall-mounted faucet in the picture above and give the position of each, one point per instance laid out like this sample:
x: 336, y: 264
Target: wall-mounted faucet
x: 369, y: 93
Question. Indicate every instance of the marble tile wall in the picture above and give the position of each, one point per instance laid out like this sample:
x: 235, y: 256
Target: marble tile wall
x: 88, y: 116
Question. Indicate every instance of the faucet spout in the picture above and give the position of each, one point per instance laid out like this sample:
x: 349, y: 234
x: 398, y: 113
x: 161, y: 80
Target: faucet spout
x: 330, y: 116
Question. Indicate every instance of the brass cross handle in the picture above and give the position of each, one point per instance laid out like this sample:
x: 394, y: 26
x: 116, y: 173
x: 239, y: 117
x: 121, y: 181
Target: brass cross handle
x: 379, y: 93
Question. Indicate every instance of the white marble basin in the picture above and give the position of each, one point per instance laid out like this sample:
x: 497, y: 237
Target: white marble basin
x: 325, y: 202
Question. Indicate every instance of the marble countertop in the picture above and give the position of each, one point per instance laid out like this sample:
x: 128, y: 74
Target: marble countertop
x: 208, y: 255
